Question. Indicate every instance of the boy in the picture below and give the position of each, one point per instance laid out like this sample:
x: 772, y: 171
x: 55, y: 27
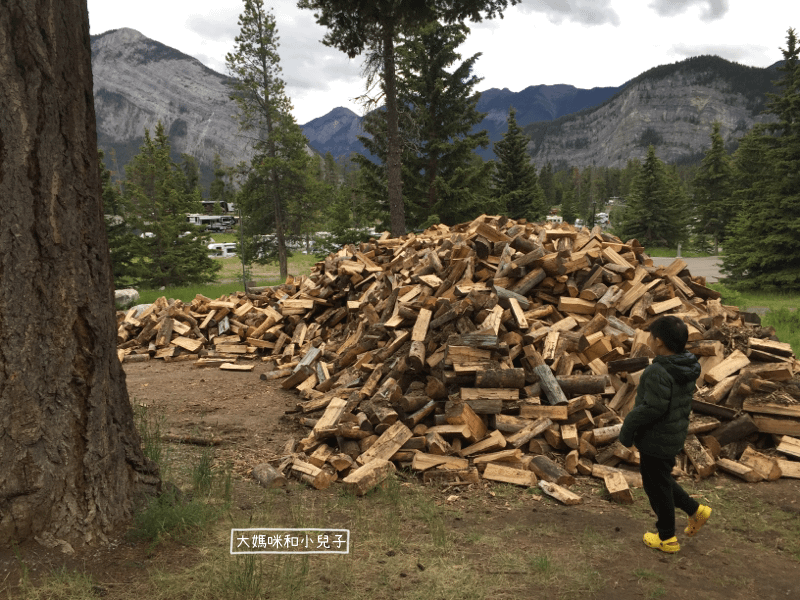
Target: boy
x: 658, y: 425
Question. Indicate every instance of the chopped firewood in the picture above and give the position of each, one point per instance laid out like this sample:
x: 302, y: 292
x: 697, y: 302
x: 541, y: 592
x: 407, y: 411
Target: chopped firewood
x: 765, y: 466
x: 741, y: 471
x: 561, y: 494
x: 496, y: 472
x: 487, y: 339
x: 366, y: 477
x: 618, y: 488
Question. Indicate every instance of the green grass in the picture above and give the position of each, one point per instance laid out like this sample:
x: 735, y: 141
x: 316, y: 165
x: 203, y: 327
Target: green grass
x: 785, y: 321
x: 673, y: 253
x: 230, y: 279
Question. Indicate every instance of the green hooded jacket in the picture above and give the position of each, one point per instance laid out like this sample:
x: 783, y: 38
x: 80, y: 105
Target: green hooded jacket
x: 659, y: 421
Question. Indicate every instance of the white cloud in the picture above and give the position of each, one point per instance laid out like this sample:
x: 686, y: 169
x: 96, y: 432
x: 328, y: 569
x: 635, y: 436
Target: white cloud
x: 586, y: 12
x: 747, y: 54
x: 712, y: 9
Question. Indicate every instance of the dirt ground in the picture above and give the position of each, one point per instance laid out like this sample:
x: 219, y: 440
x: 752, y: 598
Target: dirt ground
x: 741, y: 560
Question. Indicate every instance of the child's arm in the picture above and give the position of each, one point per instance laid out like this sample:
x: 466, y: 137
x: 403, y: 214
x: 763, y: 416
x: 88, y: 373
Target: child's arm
x: 652, y: 401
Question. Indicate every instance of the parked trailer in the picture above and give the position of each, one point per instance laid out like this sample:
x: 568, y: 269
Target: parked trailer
x: 222, y: 250
x: 211, y: 222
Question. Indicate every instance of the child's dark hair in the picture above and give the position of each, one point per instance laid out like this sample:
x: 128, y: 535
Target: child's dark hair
x: 672, y: 331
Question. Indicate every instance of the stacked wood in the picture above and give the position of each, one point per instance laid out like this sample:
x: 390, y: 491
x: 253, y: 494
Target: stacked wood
x: 495, y: 345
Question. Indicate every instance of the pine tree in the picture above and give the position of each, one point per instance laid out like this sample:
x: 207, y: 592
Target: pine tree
x: 440, y: 176
x: 219, y: 190
x: 374, y: 25
x: 548, y: 184
x: 169, y: 251
x: 515, y: 181
x: 121, y: 238
x: 713, y: 190
x: 764, y: 248
x: 656, y: 207
x: 280, y: 164
x: 442, y: 180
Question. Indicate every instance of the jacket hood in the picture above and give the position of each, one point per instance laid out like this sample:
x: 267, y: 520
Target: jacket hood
x: 681, y: 367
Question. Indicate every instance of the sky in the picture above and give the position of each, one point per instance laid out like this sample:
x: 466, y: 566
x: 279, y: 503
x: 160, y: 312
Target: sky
x: 585, y: 43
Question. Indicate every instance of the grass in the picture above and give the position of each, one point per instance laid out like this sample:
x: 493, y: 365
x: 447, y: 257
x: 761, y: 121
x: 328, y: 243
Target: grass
x: 673, y: 252
x: 230, y: 279
x: 785, y: 321
x: 403, y: 545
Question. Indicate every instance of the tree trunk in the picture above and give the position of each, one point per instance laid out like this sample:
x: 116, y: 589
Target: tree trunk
x: 397, y: 213
x: 70, y: 456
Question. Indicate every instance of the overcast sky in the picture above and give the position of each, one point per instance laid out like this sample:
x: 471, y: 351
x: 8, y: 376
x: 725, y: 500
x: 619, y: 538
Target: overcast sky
x: 585, y: 43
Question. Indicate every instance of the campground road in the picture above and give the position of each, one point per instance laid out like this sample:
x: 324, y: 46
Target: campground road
x: 708, y: 266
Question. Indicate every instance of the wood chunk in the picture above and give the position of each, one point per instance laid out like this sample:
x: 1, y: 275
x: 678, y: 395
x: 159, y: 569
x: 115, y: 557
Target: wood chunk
x: 561, y: 494
x: 790, y: 446
x: 551, y: 471
x: 527, y: 433
x: 511, y: 455
x: 606, y: 435
x: 732, y: 364
x: 314, y: 476
x: 268, y: 476
x: 366, y: 477
x: 494, y: 441
x: 765, y: 466
x: 701, y: 460
x: 534, y: 411
x: 789, y: 468
x: 618, y: 488
x: 500, y: 378
x: 387, y: 444
x: 423, y: 461
x: 735, y: 430
x: 234, y: 367
x: 741, y: 471
x: 632, y: 478
x: 777, y: 425
x: 461, y: 414
x: 496, y: 472
x: 451, y: 476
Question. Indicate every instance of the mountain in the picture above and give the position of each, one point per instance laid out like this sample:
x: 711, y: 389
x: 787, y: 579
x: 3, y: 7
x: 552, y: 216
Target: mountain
x: 671, y: 107
x: 335, y: 132
x: 338, y: 131
x: 138, y: 81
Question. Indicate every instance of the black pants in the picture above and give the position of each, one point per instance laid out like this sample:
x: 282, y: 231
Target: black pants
x: 664, y: 493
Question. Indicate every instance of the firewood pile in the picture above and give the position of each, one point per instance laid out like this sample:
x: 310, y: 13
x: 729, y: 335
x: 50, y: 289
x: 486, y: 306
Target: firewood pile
x: 494, y: 350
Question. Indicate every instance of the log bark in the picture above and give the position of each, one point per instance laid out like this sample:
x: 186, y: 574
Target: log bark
x: 71, y: 456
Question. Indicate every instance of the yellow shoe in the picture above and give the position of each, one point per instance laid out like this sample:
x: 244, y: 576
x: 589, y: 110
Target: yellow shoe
x: 653, y: 541
x: 697, y: 520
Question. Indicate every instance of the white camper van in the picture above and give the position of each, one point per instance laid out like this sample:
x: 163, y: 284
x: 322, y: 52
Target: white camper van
x: 223, y: 250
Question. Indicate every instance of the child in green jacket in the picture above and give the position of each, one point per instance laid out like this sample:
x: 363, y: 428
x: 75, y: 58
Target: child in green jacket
x: 658, y: 425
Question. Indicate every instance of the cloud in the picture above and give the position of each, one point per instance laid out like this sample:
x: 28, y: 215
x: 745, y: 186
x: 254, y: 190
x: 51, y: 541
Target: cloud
x: 218, y: 24
x: 751, y: 54
x: 586, y: 12
x: 712, y: 9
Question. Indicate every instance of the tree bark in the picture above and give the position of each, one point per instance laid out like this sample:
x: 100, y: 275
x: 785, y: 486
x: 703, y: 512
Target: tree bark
x: 397, y: 213
x: 70, y: 456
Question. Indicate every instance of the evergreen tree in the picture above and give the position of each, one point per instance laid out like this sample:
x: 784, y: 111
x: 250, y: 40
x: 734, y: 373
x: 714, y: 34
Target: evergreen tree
x: 220, y: 189
x: 764, y: 248
x: 169, y: 251
x: 374, y: 25
x: 121, y: 238
x: 548, y: 184
x: 280, y: 165
x: 440, y: 176
x: 515, y: 181
x: 713, y: 189
x: 656, y: 207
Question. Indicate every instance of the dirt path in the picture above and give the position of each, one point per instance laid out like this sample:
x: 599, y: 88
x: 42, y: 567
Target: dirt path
x: 501, y: 541
x: 248, y: 415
